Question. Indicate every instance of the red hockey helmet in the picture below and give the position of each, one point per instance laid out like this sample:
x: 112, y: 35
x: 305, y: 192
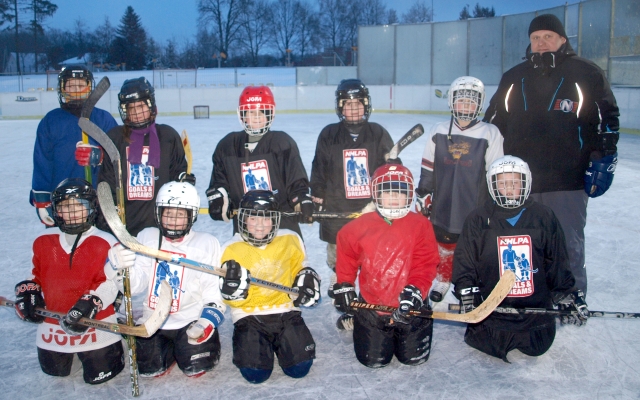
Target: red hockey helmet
x: 392, y: 188
x: 256, y: 98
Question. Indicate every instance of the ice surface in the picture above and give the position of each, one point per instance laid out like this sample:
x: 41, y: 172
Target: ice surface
x: 600, y: 360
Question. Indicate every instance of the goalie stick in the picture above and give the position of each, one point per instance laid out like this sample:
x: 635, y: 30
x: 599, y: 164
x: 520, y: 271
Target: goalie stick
x: 114, y: 154
x: 510, y: 310
x: 119, y: 230
x: 499, y: 292
x: 87, y: 109
x: 146, y: 329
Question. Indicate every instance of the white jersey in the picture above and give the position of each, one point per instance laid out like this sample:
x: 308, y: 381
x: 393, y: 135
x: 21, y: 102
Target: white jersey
x: 191, y: 290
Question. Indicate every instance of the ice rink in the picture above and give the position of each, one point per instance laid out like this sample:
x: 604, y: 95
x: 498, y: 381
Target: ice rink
x: 598, y: 361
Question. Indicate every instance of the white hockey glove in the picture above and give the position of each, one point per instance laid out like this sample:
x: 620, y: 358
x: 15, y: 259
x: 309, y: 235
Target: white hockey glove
x: 423, y: 204
x: 203, y: 328
x: 120, y: 257
x: 42, y: 202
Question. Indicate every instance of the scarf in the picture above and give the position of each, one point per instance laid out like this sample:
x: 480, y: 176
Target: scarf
x: 137, y: 142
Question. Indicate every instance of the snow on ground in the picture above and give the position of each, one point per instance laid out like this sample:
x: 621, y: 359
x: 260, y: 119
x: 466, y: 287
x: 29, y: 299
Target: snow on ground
x: 597, y: 361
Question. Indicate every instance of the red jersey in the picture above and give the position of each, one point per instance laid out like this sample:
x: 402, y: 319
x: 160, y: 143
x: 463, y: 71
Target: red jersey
x: 388, y: 254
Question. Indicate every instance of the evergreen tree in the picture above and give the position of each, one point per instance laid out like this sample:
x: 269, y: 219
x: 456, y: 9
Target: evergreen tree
x: 130, y: 43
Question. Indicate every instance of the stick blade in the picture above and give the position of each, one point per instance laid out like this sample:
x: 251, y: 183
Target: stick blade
x: 502, y: 289
x: 187, y: 149
x: 408, y: 138
x: 161, y: 312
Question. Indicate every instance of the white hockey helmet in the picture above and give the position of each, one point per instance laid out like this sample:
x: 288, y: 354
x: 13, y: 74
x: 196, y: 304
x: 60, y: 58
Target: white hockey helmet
x: 177, y: 195
x: 511, y: 190
x: 392, y: 188
x: 472, y: 90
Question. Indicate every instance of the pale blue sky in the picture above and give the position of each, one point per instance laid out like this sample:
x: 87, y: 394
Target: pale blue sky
x: 166, y: 19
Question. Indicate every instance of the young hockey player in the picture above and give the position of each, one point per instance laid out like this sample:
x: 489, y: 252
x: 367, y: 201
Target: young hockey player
x: 151, y: 154
x: 337, y: 183
x: 394, y: 256
x: 68, y: 264
x: 452, y: 181
x: 188, y: 336
x: 243, y: 160
x: 512, y: 231
x: 57, y: 136
x: 269, y: 322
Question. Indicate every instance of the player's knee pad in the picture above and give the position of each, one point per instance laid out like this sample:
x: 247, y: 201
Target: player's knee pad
x: 255, y: 375
x: 299, y: 370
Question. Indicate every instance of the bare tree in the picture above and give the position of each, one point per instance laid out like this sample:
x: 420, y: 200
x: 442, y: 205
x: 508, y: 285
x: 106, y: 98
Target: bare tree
x: 103, y: 38
x: 224, y: 16
x: 334, y: 23
x: 418, y: 13
x: 40, y: 9
x: 308, y: 35
x: 255, y: 29
x: 285, y: 24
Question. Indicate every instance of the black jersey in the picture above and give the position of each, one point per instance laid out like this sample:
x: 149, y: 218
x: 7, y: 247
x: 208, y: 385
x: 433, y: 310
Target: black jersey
x: 274, y: 164
x: 342, y: 168
x: 141, y: 182
x: 529, y: 241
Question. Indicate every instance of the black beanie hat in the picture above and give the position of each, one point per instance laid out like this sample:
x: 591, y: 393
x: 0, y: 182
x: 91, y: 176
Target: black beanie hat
x: 547, y: 22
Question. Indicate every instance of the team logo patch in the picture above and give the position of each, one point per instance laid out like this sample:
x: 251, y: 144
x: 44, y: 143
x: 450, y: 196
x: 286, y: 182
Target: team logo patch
x: 141, y: 181
x: 565, y: 105
x: 515, y: 253
x: 356, y: 173
x: 174, y: 275
x: 457, y: 150
x: 255, y: 175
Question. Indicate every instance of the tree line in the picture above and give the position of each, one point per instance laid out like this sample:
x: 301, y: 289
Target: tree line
x: 231, y: 33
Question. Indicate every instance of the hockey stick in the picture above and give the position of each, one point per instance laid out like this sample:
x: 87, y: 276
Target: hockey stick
x: 108, y: 211
x: 147, y: 329
x: 406, y: 139
x: 114, y: 154
x: 510, y: 310
x: 87, y: 109
x: 187, y: 150
x: 499, y: 292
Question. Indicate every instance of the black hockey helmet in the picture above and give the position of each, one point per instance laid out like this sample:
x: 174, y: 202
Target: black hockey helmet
x: 134, y: 90
x: 74, y: 100
x: 352, y: 89
x: 258, y: 203
x: 70, y: 199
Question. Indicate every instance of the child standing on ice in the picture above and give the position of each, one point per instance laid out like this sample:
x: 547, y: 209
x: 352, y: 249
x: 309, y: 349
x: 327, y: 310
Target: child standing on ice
x: 454, y: 163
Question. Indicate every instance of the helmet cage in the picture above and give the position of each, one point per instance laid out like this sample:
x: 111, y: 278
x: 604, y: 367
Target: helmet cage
x: 258, y: 98
x: 392, y: 189
x: 468, y: 93
x: 351, y: 89
x: 515, y: 187
x: 177, y: 196
x: 74, y: 99
x: 73, y: 196
x: 244, y: 222
x: 132, y: 91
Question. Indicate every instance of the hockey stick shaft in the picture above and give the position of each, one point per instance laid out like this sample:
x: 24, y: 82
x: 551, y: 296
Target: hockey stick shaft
x: 119, y: 230
x: 151, y: 325
x: 406, y: 139
x: 603, y: 314
x: 87, y: 109
x: 499, y: 292
x: 114, y: 154
x: 187, y: 150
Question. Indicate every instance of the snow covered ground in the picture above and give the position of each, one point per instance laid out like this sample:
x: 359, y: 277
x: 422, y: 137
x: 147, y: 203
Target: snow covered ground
x: 598, y: 361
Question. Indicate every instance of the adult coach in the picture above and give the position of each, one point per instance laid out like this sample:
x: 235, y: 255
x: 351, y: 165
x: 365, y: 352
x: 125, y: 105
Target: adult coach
x: 556, y: 111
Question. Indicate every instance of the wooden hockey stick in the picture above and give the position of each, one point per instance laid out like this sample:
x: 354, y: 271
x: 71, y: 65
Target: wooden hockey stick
x: 187, y: 150
x: 87, y: 109
x: 108, y: 211
x: 146, y: 329
x: 499, y: 292
x: 114, y: 154
x: 520, y: 311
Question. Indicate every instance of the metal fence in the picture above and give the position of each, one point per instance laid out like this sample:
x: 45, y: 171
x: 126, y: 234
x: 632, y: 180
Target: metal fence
x: 604, y: 31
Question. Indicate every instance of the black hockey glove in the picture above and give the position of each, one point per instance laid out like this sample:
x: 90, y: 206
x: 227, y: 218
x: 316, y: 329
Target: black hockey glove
x: 469, y: 299
x: 189, y: 178
x: 577, y: 304
x: 423, y: 204
x: 410, y: 300
x: 87, y: 307
x: 599, y: 175
x: 607, y: 143
x: 308, y: 283
x: 219, y: 205
x: 236, y: 282
x: 343, y: 295
x: 306, y: 208
x: 28, y: 297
